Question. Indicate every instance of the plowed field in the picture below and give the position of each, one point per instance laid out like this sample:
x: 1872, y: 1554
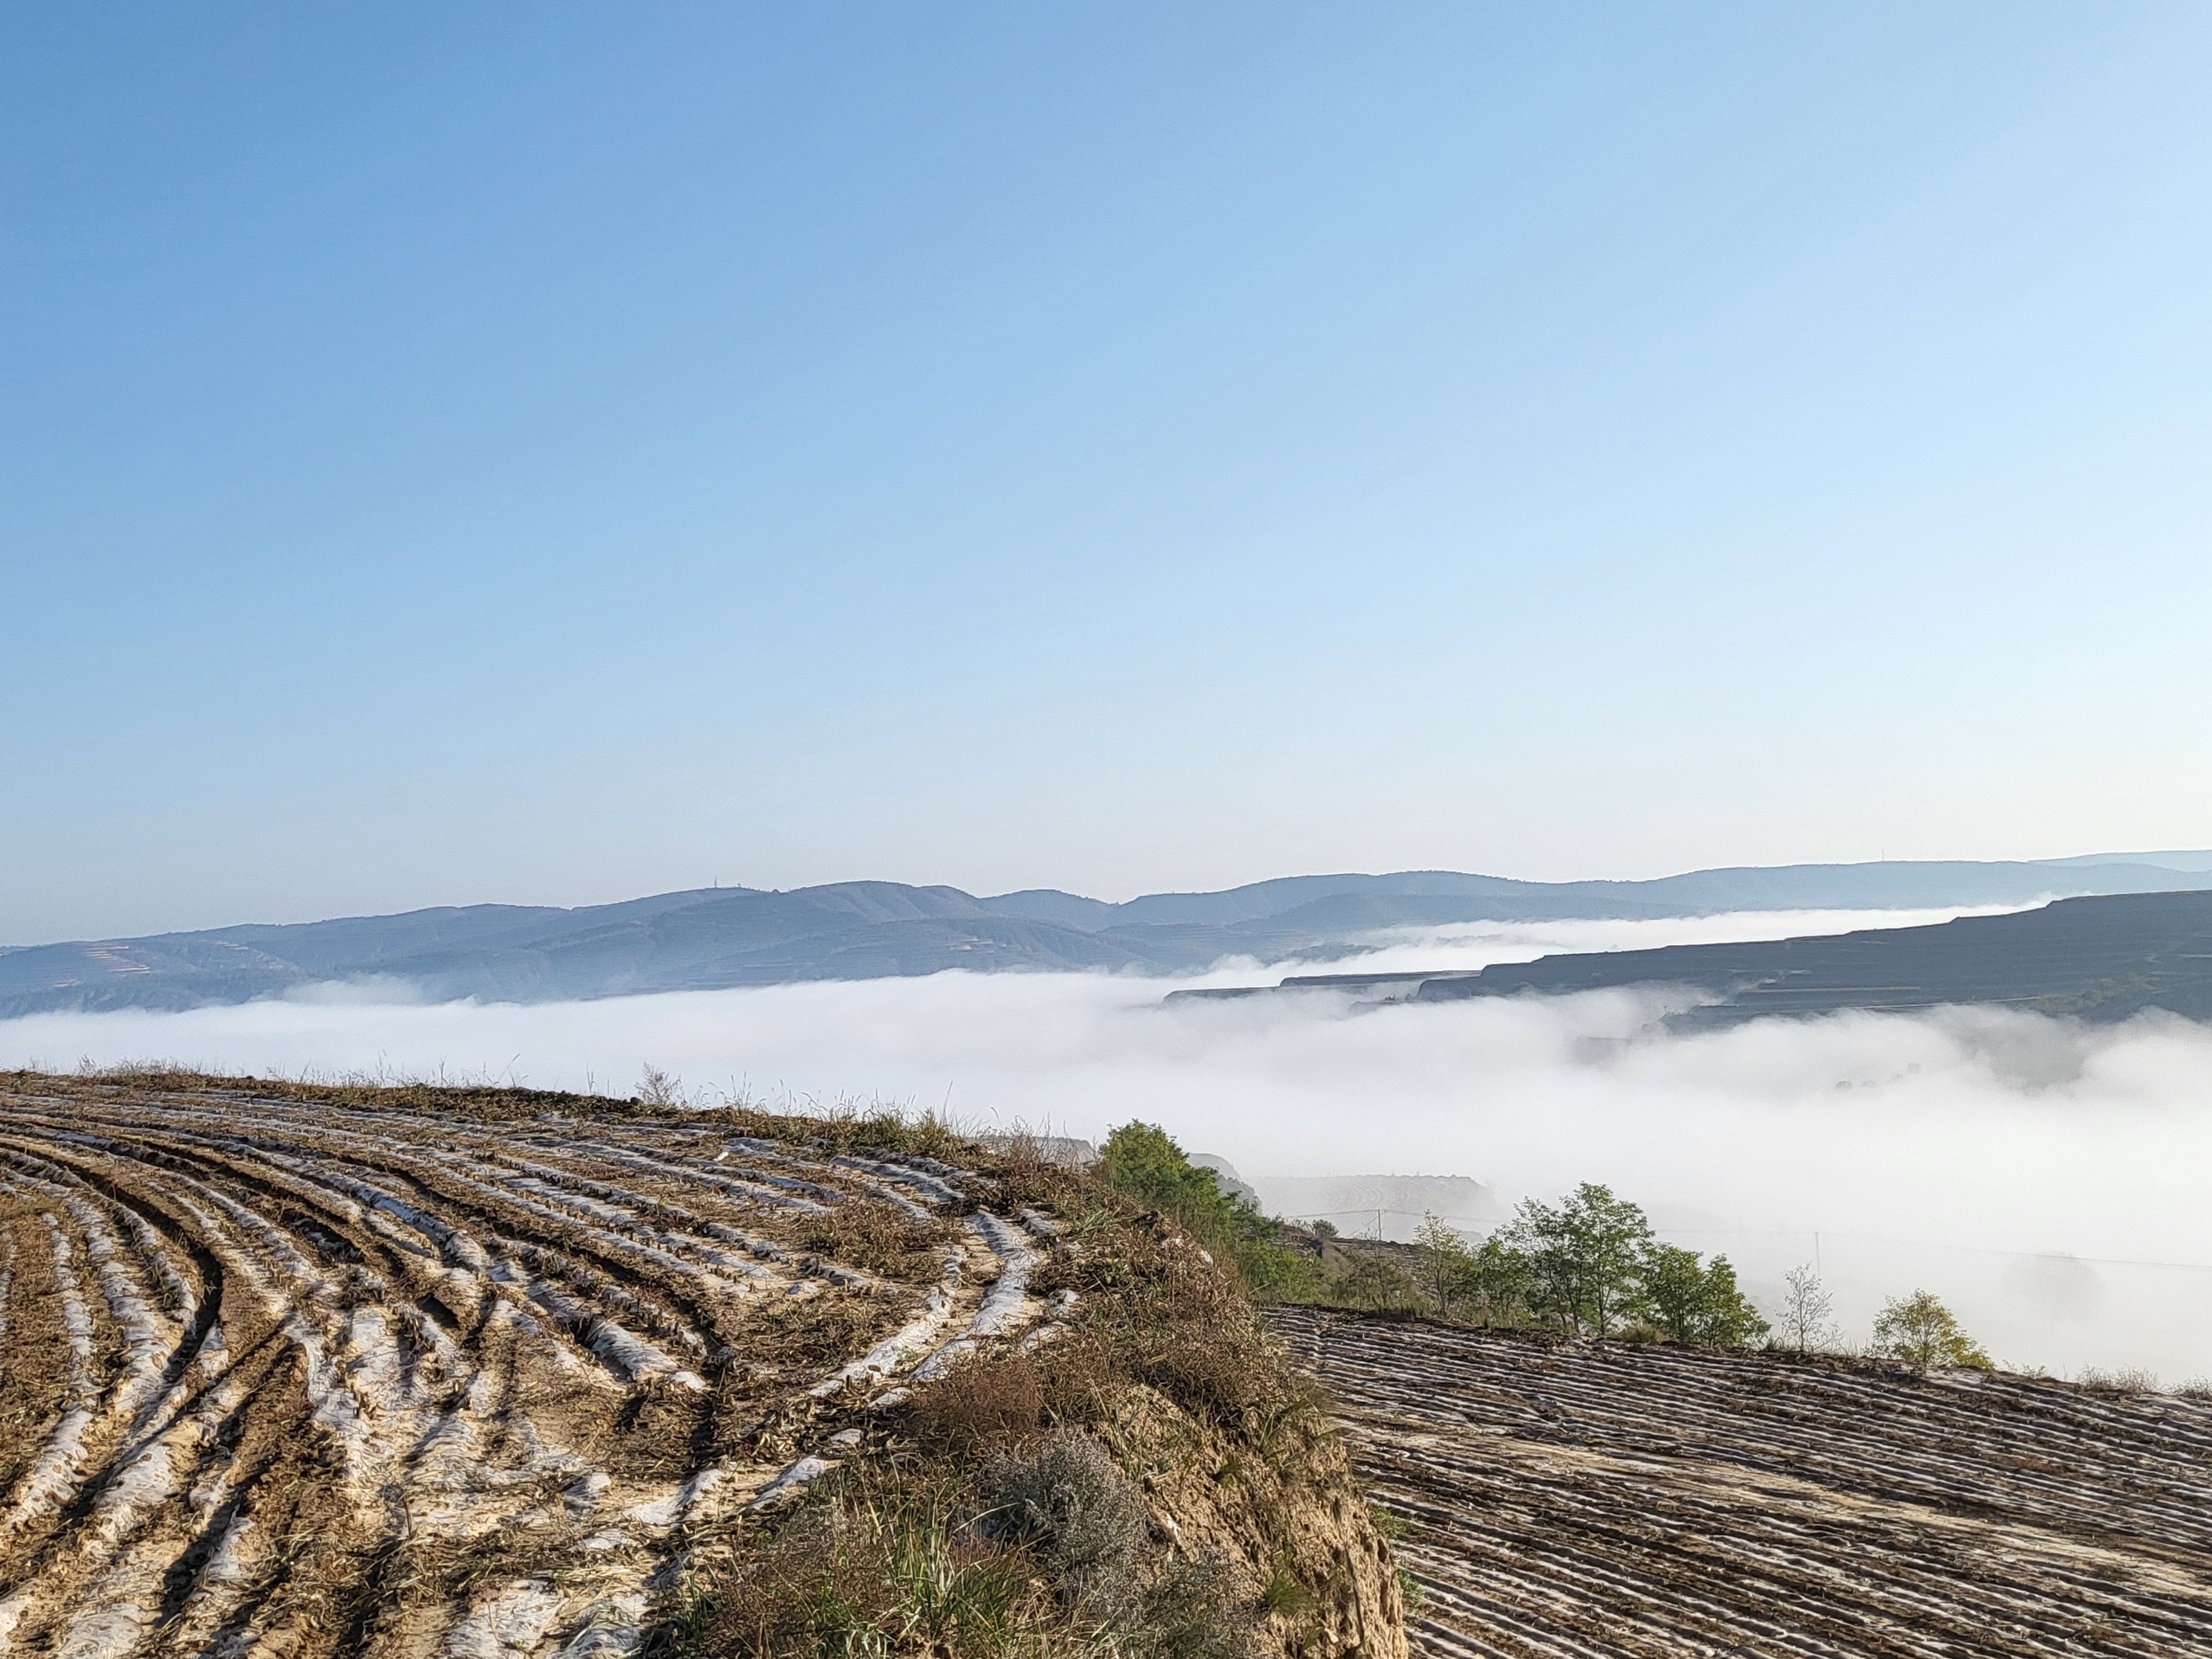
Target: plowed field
x: 291, y: 1379
x: 1592, y: 1500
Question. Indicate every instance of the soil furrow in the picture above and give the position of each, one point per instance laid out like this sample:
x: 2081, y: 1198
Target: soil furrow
x: 1565, y: 1498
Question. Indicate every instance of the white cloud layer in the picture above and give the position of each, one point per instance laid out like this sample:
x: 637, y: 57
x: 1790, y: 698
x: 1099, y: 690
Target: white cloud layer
x: 2048, y: 1180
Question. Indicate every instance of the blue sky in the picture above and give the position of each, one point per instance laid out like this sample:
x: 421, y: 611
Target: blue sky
x: 454, y: 454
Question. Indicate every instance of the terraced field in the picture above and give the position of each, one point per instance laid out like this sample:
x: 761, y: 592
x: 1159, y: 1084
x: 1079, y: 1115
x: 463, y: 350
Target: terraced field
x: 1585, y: 1500
x: 290, y: 1378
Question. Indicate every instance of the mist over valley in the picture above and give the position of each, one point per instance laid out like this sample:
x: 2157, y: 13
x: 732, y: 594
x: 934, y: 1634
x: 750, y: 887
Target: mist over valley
x: 722, y: 937
x: 2040, y: 1173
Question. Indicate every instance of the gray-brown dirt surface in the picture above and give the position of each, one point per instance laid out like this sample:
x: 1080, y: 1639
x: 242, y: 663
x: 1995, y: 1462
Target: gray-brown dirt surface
x: 469, y: 1374
x: 1608, y: 1499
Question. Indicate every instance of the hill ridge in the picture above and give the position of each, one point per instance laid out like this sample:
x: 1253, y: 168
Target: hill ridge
x: 722, y: 937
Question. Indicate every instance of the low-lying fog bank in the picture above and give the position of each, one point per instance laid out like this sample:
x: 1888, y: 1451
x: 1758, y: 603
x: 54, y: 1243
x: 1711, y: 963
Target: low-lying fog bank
x: 2046, y: 1179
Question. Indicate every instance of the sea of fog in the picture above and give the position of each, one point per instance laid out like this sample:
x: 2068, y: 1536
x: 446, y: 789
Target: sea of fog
x: 2047, y: 1180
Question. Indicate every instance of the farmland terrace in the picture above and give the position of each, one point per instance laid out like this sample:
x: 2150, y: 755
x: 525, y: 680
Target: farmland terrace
x: 288, y: 1374
x: 1580, y: 1499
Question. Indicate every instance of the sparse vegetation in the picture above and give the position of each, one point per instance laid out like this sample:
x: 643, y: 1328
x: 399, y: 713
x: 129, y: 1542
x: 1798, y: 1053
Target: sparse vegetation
x: 1143, y: 1161
x: 1805, y: 1322
x: 2124, y: 1382
x: 1043, y: 1554
x: 1589, y: 1265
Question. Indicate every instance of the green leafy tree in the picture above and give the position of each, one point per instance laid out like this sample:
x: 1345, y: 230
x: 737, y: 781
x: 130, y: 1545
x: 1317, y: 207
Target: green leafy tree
x: 1374, y: 1282
x: 1921, y: 1331
x: 1674, y: 1289
x: 1143, y: 1160
x: 1693, y: 1301
x: 1445, y: 1260
x: 1494, y: 1286
x: 1584, y: 1258
x: 1731, y: 1319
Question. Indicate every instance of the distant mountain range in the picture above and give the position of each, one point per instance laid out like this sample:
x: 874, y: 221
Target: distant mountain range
x: 719, y: 937
x: 2099, y: 959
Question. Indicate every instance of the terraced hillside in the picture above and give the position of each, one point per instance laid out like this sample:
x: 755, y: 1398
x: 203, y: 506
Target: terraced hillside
x: 288, y: 1376
x: 1588, y: 1499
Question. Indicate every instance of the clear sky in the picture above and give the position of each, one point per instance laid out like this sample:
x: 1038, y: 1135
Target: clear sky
x: 553, y: 453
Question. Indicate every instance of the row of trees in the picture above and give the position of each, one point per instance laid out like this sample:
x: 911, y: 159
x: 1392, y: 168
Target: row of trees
x: 1917, y: 1328
x: 1590, y: 1265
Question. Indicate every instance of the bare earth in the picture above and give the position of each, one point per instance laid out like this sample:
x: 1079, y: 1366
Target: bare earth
x: 298, y: 1379
x: 1600, y: 1499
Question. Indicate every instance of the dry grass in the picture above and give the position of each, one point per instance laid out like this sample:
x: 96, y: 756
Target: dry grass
x: 878, y: 1237
x: 984, y: 1401
x: 2123, y: 1383
x: 1042, y: 1555
x: 1002, y: 1523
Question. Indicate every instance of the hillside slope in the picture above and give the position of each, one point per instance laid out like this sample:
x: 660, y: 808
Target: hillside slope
x: 2100, y: 959
x: 483, y: 1374
x: 1584, y: 1499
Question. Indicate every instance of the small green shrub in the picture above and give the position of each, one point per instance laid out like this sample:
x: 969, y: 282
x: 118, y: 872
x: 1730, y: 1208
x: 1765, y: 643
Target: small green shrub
x: 1143, y: 1161
x: 1921, y: 1331
x: 1284, y: 1596
x: 1376, y: 1284
x: 1410, y: 1591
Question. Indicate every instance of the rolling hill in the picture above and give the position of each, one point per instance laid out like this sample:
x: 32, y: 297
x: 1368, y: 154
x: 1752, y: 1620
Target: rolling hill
x: 2100, y: 958
x: 719, y: 937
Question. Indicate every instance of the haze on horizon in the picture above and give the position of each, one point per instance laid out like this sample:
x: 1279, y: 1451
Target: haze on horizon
x: 455, y: 457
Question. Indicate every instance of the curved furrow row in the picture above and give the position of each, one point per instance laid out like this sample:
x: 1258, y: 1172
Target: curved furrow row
x: 287, y: 1376
x: 2026, y: 1440
x: 1891, y: 1434
x: 1575, y: 1498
